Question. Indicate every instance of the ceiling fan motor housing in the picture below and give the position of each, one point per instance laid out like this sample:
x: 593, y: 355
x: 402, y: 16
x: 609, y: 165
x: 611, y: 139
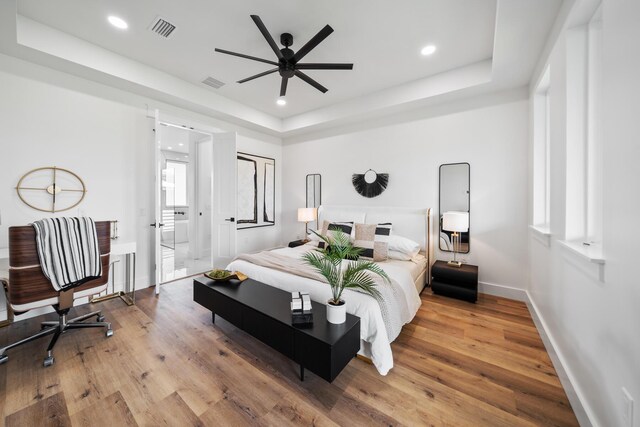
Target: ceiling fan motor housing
x: 286, y: 64
x: 286, y: 39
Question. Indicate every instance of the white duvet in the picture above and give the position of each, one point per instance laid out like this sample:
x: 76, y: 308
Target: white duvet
x: 375, y: 344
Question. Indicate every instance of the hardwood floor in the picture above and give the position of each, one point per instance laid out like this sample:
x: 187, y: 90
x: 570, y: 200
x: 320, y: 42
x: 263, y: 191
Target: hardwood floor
x: 455, y: 364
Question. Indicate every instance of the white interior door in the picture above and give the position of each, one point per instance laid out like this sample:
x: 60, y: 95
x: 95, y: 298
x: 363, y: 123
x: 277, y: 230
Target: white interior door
x: 157, y: 214
x: 223, y: 230
x: 204, y: 191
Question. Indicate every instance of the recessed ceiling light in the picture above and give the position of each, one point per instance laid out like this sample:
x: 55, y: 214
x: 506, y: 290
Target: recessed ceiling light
x: 428, y: 50
x: 169, y: 148
x: 118, y: 22
x: 281, y: 101
x: 181, y: 144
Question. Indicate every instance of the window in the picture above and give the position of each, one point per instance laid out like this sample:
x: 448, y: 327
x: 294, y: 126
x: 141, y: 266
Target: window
x: 541, y: 153
x: 177, y: 197
x: 584, y: 178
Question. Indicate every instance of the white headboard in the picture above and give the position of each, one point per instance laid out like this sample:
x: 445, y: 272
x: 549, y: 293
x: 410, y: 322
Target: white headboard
x: 412, y: 223
x: 407, y: 222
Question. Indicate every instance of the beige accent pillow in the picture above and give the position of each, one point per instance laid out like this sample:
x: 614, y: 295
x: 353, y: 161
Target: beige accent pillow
x: 365, y: 240
x: 328, y: 227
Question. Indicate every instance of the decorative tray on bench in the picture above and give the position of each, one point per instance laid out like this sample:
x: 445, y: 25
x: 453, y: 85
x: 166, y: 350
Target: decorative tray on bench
x: 225, y: 275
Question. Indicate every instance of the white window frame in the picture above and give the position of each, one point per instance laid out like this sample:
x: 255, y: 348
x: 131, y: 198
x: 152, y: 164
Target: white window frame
x: 584, y: 205
x: 541, y: 214
x: 584, y: 159
x: 594, y: 205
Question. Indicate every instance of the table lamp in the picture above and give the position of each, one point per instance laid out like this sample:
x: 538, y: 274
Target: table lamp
x: 455, y: 222
x: 307, y: 215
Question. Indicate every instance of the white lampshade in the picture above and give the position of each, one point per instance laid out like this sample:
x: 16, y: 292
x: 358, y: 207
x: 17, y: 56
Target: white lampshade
x: 307, y: 214
x: 455, y: 221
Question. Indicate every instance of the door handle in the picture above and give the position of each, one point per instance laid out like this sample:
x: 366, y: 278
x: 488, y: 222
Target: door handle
x: 232, y: 219
x: 154, y: 225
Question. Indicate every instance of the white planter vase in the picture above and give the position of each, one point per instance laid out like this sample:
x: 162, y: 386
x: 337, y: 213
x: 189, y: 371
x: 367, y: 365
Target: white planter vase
x: 337, y: 314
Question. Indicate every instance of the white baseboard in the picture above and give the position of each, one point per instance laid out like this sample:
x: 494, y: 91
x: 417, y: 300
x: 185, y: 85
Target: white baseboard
x: 583, y: 412
x: 143, y: 283
x: 503, y: 291
x: 581, y: 409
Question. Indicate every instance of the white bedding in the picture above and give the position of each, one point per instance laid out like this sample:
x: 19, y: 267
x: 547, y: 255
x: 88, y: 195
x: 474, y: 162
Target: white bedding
x: 375, y: 344
x: 416, y: 266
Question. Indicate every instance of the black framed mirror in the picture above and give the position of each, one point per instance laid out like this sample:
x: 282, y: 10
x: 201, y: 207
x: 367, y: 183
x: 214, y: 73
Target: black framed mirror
x: 313, y: 191
x: 454, y: 207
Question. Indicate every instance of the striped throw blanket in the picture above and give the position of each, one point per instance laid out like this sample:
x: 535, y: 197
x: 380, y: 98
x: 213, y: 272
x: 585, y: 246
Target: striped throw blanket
x: 68, y: 250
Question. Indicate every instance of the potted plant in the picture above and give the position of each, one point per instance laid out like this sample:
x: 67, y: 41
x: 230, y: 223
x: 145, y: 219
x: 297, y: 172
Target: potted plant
x: 352, y: 273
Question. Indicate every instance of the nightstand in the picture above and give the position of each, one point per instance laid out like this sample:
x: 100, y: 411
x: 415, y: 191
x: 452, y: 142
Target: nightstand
x: 456, y: 282
x: 297, y: 243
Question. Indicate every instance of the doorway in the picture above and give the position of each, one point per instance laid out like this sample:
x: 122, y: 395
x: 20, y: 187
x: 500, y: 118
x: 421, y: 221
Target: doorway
x: 195, y: 199
x: 185, y: 236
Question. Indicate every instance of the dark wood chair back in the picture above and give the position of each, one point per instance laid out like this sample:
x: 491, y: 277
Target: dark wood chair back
x: 27, y: 283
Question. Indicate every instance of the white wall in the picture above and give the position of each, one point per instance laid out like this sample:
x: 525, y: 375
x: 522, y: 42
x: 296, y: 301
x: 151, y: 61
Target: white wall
x: 104, y: 135
x: 593, y: 323
x: 255, y: 239
x: 490, y: 135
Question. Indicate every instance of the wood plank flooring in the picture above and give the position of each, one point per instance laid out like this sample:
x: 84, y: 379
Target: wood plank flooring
x: 456, y: 364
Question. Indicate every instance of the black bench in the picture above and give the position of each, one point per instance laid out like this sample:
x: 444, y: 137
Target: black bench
x: 265, y: 313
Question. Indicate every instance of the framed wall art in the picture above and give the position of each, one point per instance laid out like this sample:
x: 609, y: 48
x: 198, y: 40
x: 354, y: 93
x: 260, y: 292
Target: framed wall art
x: 256, y: 191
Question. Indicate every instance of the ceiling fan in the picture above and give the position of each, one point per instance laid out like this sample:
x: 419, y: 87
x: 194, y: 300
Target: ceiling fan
x: 288, y: 64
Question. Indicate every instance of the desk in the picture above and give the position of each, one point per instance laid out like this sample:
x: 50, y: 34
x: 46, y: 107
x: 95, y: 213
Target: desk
x: 128, y: 294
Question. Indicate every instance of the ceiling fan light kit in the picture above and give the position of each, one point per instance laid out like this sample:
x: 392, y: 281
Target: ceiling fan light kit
x: 288, y: 62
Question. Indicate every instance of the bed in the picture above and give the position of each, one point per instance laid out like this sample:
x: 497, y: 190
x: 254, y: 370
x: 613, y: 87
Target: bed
x: 410, y: 277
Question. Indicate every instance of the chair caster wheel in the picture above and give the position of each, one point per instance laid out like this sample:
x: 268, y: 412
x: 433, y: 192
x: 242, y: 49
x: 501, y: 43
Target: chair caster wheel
x: 48, y: 361
x: 109, y: 333
x: 3, y: 359
x: 100, y: 318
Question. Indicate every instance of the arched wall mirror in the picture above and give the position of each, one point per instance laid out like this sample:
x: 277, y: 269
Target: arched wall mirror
x: 454, y: 215
x: 314, y: 191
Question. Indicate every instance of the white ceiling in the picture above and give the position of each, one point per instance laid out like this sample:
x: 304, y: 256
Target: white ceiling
x: 484, y: 46
x: 382, y: 39
x: 178, y: 139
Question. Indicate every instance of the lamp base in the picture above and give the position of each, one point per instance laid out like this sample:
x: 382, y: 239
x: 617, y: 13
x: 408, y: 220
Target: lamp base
x: 455, y: 263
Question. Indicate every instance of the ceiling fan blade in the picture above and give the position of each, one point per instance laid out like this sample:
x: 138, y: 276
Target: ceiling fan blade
x: 312, y: 82
x: 241, y: 55
x: 283, y: 86
x: 267, y: 36
x: 315, y: 41
x: 258, y: 75
x: 324, y: 66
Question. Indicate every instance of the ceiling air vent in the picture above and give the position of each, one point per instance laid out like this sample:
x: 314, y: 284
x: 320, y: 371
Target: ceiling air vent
x: 214, y: 83
x: 162, y: 27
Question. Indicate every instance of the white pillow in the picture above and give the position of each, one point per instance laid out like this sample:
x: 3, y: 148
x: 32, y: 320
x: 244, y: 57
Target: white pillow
x: 403, y: 245
x: 398, y: 256
x: 313, y: 236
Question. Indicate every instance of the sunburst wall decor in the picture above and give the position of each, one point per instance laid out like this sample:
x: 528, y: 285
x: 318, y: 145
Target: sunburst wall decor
x: 370, y: 184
